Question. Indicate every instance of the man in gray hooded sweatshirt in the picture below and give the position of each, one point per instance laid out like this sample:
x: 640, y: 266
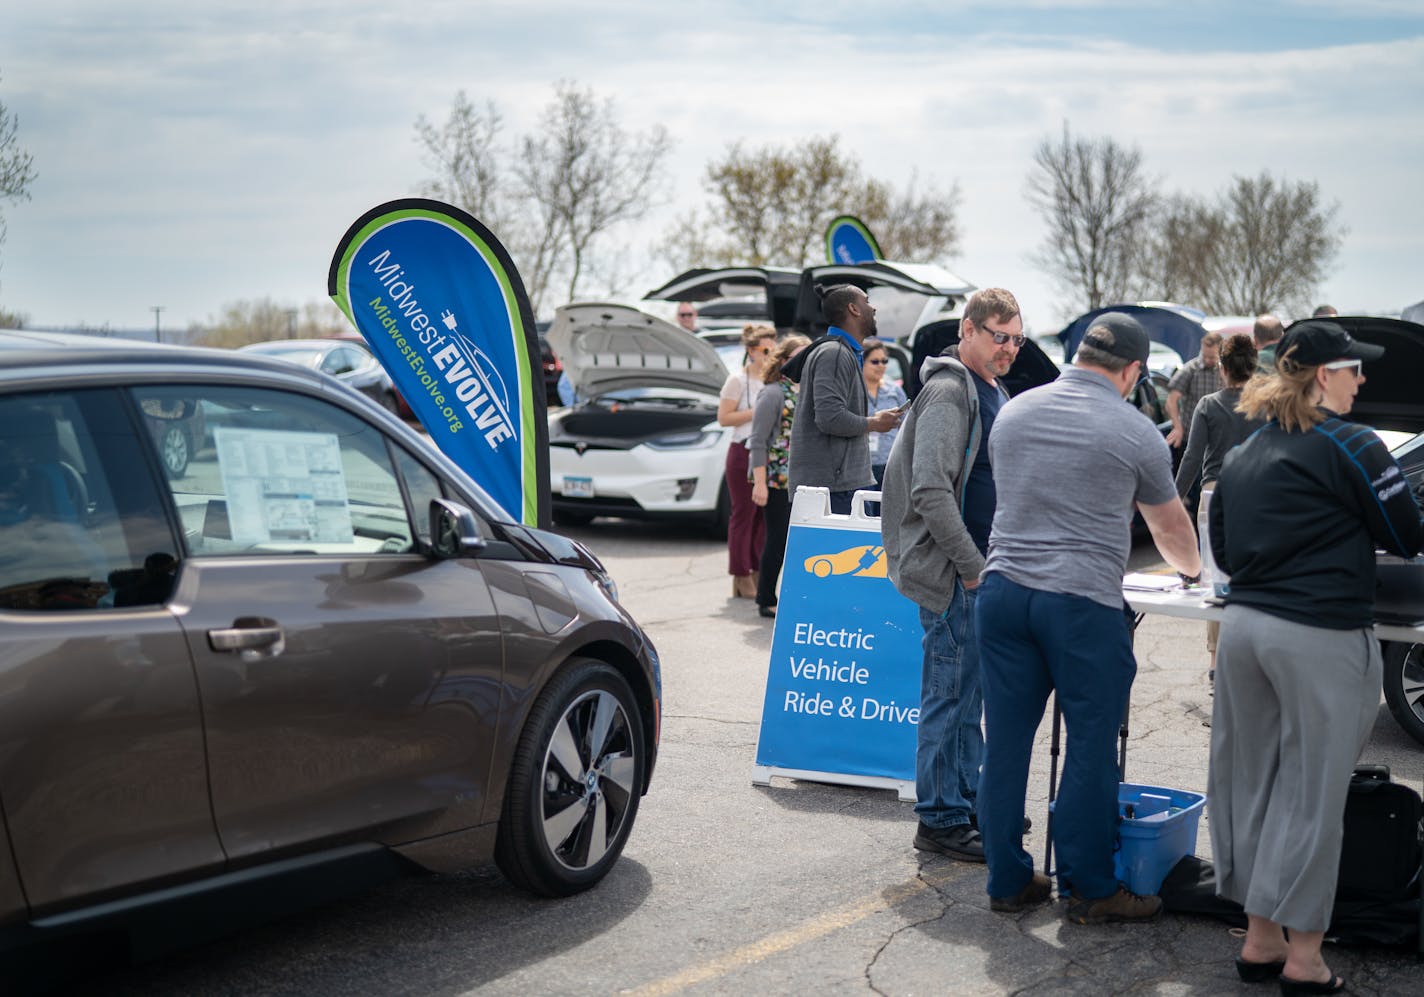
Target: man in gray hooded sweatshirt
x: 937, y: 508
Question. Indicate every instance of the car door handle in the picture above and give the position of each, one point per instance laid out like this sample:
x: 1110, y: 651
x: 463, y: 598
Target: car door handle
x: 252, y: 636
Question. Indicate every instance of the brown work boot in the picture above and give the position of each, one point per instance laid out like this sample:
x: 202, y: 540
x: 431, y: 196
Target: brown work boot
x: 1121, y: 906
x: 1038, y: 891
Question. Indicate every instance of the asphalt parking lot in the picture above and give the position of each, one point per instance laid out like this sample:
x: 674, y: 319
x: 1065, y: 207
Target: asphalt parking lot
x: 801, y: 887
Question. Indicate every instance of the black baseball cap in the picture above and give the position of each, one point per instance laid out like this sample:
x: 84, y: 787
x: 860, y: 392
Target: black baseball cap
x: 1119, y: 334
x: 1316, y: 342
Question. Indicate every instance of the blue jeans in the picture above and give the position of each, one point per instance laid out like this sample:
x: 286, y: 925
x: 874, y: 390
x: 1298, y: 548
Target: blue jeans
x: 1032, y: 643
x: 950, y: 745
x: 840, y: 502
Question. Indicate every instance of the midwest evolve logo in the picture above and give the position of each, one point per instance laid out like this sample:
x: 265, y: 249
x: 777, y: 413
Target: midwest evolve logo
x: 864, y: 562
x: 477, y: 383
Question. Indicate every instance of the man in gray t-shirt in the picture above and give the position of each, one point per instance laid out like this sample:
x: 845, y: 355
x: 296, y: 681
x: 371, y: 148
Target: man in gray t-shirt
x: 1071, y: 461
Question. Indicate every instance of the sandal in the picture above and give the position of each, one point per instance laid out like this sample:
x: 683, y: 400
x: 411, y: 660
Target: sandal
x: 1331, y: 986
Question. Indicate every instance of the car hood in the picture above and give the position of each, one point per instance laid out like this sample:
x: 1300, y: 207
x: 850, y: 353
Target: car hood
x: 1391, y: 397
x: 607, y: 347
x: 1168, y: 326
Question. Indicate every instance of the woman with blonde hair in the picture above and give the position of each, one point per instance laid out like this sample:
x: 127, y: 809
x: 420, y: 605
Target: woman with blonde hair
x: 746, y: 531
x: 770, y: 449
x: 1298, y: 511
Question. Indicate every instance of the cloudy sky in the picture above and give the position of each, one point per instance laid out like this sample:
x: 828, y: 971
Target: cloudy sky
x: 190, y: 155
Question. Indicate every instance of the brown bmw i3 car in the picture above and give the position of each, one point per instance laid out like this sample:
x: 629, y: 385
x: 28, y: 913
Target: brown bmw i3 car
x: 320, y: 649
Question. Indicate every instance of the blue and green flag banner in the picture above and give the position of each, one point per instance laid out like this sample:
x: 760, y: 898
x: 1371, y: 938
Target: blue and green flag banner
x: 849, y: 241
x: 442, y: 306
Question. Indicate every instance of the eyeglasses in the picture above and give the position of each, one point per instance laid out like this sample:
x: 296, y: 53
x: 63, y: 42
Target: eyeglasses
x: 686, y: 314
x: 878, y: 363
x: 1351, y: 365
x: 1000, y: 338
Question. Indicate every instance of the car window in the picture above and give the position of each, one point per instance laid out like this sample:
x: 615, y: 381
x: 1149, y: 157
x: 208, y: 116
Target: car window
x: 82, y: 520
x: 282, y: 473
x: 421, y: 486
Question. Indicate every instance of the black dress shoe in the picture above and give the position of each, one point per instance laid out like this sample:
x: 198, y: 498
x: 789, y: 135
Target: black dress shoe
x: 767, y: 611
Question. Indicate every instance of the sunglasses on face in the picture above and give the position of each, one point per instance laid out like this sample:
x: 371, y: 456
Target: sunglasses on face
x: 1000, y: 338
x: 1351, y: 365
x: 686, y: 314
x: 878, y: 363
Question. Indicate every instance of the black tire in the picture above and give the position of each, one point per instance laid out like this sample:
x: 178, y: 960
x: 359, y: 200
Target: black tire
x: 722, y: 515
x: 567, y: 517
x: 1404, y: 686
x: 562, y: 830
x: 174, y: 451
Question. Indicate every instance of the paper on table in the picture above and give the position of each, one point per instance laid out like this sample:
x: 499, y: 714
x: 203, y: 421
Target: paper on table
x: 1137, y: 581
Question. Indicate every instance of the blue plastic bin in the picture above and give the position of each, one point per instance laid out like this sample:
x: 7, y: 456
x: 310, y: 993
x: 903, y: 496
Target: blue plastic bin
x: 1162, y: 829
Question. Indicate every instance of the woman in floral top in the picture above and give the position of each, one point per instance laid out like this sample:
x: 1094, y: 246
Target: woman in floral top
x: 769, y: 446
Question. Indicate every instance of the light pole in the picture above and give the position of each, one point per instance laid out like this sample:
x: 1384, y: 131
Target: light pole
x: 157, y: 335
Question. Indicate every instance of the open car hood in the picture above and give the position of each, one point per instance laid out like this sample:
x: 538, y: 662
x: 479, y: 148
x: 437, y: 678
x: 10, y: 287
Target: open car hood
x: 607, y: 347
x: 911, y: 287
x: 755, y: 294
x: 1170, y: 326
x: 1392, y: 396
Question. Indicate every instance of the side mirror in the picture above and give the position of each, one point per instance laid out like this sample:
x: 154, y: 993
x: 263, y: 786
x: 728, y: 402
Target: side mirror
x: 453, y: 530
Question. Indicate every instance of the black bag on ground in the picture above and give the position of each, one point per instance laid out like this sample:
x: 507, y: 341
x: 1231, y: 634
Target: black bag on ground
x: 1377, y: 900
x: 1380, y: 858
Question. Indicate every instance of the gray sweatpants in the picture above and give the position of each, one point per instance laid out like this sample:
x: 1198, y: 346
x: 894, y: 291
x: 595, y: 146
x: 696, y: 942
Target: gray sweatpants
x: 1294, y: 707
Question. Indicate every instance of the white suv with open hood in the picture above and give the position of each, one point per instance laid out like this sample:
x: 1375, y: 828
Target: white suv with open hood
x: 642, y: 439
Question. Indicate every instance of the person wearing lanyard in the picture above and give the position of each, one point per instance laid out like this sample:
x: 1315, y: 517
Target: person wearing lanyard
x: 768, y: 450
x: 1298, y: 511
x: 879, y: 397
x: 746, y: 531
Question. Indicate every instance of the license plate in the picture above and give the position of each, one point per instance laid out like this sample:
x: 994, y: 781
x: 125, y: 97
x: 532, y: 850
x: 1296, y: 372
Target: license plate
x: 578, y: 487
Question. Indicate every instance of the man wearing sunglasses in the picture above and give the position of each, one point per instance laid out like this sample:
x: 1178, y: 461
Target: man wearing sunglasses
x: 937, y: 507
x: 687, y: 315
x: 1070, y: 463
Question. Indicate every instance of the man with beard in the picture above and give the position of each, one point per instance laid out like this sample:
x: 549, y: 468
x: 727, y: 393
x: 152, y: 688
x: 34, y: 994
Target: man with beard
x: 937, y: 508
x: 830, y: 439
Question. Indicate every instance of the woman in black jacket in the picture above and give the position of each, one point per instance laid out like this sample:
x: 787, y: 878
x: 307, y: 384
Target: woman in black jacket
x: 1298, y: 511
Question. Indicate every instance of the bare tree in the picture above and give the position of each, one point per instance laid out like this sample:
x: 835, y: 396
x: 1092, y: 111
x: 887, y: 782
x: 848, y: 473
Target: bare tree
x: 912, y: 225
x: 589, y: 173
x: 772, y: 205
x: 260, y: 320
x: 1262, y: 245
x: 17, y: 167
x: 463, y: 155
x: 1097, y: 202
x: 556, y: 193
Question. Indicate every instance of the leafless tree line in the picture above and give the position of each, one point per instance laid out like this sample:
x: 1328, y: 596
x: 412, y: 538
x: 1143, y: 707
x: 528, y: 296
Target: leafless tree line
x: 1261, y: 244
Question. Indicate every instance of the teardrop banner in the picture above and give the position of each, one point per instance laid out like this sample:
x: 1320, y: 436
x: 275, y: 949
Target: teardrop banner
x: 440, y: 303
x: 849, y: 241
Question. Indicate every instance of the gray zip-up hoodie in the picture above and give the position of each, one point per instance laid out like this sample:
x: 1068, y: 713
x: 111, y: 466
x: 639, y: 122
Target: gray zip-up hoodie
x: 921, y: 518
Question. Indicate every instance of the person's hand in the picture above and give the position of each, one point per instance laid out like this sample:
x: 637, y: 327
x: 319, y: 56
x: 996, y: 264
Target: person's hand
x: 970, y: 584
x: 883, y: 422
x: 1174, y: 438
x: 759, y: 494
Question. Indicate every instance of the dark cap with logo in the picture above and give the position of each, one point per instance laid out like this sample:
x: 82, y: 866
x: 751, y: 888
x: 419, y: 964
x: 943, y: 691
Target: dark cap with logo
x: 1119, y: 334
x: 1315, y: 342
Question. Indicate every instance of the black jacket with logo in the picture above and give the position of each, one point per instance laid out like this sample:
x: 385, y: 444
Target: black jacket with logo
x: 1297, y: 516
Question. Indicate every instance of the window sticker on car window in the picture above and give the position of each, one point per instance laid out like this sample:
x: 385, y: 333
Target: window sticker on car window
x: 283, y: 486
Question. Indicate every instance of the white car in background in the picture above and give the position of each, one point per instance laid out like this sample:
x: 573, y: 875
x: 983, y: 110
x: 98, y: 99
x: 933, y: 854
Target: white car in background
x: 642, y: 439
